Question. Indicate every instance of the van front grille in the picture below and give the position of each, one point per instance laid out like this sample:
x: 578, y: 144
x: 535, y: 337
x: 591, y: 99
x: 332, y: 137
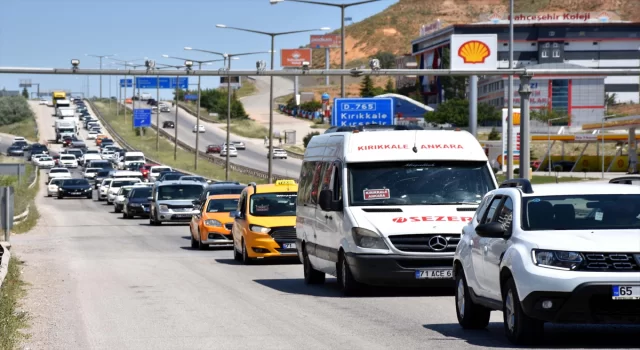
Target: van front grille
x: 425, y: 243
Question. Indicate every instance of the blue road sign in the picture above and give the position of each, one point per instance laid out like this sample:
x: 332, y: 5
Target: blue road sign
x: 362, y: 111
x: 129, y: 82
x: 141, y: 118
x: 190, y: 97
x: 165, y: 83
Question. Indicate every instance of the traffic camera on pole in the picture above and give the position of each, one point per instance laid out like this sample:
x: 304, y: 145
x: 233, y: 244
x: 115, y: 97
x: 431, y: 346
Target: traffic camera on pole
x: 261, y: 66
x: 74, y: 64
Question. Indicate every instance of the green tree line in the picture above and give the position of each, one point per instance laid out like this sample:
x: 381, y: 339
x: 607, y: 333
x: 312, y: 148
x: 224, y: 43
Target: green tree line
x: 215, y: 101
x: 14, y: 109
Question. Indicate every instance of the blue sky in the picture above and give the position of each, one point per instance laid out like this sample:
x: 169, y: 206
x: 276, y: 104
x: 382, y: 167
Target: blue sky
x: 43, y: 33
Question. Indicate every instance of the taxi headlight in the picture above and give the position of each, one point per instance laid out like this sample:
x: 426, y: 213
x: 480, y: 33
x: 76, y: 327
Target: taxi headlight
x: 556, y: 259
x: 212, y: 223
x: 368, y: 239
x: 163, y: 208
x: 259, y: 229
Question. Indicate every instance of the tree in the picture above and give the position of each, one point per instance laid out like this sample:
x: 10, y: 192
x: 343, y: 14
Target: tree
x: 546, y: 114
x: 215, y: 100
x: 14, y: 109
x: 367, y: 88
x: 389, y: 88
x: 25, y: 93
x: 307, y: 138
x: 456, y: 112
x: 454, y: 87
x: 610, y: 99
x: 311, y: 106
x: 387, y: 59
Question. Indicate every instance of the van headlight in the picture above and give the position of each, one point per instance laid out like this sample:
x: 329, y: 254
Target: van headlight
x: 259, y: 229
x: 368, y: 239
x: 212, y: 223
x: 163, y: 207
x: 556, y: 259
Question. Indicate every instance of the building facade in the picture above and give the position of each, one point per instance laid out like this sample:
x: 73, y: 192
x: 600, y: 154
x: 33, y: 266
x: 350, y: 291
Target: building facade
x: 548, y: 41
x: 406, y: 61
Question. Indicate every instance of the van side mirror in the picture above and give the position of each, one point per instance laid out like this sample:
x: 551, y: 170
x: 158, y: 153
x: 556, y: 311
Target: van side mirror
x: 235, y: 214
x: 491, y: 230
x: 150, y: 199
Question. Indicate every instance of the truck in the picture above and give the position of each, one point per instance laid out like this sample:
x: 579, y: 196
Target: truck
x: 58, y: 96
x: 65, y: 127
x: 65, y: 112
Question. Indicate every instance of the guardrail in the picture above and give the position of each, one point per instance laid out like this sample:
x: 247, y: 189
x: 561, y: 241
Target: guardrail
x: 218, y: 161
x: 23, y: 216
x: 5, y: 255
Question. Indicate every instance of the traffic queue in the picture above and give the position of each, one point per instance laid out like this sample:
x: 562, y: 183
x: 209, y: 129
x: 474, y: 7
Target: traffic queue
x: 406, y: 208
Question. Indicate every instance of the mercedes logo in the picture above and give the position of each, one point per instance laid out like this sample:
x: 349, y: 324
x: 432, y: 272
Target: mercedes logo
x: 438, y: 243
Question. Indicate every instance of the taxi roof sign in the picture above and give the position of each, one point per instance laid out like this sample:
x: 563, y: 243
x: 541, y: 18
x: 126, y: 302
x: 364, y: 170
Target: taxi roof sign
x: 285, y: 182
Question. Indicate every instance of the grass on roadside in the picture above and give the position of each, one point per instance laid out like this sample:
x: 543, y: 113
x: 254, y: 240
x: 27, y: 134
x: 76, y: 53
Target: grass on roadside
x: 26, y: 128
x: 12, y: 321
x: 292, y: 148
x: 248, y: 88
x: 184, y: 159
x: 546, y: 179
x: 248, y: 128
x: 23, y: 196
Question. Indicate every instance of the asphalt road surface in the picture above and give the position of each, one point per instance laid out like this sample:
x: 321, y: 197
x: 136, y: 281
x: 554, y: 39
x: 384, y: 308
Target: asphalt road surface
x: 97, y: 281
x: 255, y: 156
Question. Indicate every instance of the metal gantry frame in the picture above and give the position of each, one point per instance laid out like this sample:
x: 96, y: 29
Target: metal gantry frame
x: 524, y: 74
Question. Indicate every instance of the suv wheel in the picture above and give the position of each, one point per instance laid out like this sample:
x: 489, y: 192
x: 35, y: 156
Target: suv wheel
x: 194, y: 243
x: 236, y: 255
x: 201, y: 246
x: 311, y: 275
x: 245, y: 255
x: 348, y: 284
x: 519, y: 328
x: 470, y: 315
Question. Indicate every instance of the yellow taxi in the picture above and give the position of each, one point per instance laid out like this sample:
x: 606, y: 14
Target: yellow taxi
x: 212, y: 225
x: 264, y: 225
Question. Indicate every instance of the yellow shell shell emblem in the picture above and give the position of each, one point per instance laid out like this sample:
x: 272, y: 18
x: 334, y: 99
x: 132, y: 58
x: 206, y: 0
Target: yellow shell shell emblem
x: 474, y: 51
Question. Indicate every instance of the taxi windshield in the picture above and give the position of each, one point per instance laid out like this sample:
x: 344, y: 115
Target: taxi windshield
x: 418, y: 183
x: 273, y: 204
x: 222, y: 205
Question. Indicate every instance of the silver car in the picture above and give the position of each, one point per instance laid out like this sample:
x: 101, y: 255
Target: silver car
x: 172, y: 201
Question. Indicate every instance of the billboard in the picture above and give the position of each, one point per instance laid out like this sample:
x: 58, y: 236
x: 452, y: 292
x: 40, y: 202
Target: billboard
x: 327, y: 41
x: 234, y: 81
x: 293, y: 58
x: 471, y: 52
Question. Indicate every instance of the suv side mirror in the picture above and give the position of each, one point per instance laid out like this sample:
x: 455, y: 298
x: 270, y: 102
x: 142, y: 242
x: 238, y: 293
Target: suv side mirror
x: 195, y: 202
x: 150, y: 199
x: 490, y: 230
x: 235, y: 214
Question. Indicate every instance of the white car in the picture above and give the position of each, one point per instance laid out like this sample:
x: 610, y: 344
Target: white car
x: 232, y: 152
x: 239, y: 145
x: 115, y: 185
x: 164, y: 108
x: 108, y: 154
x: 278, y: 153
x: 52, y: 186
x: 43, y: 101
x: 565, y: 253
x: 118, y: 202
x: 197, y: 128
x: 45, y: 162
x: 34, y: 157
x: 90, y: 173
x: 103, y: 190
x: 154, y: 172
x: 56, y: 173
x: 87, y: 157
x: 68, y: 161
x: 92, y: 134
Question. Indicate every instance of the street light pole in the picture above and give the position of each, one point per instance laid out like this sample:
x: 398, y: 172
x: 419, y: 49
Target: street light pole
x: 273, y: 48
x: 100, y: 57
x: 342, y: 7
x: 227, y: 144
x: 549, y: 122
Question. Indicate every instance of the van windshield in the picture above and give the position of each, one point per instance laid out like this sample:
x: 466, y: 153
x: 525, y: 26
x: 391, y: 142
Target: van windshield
x: 134, y: 159
x: 418, y: 183
x: 179, y: 192
x: 273, y: 204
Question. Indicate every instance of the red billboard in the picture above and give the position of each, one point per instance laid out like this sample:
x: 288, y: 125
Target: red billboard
x: 293, y: 58
x: 325, y: 41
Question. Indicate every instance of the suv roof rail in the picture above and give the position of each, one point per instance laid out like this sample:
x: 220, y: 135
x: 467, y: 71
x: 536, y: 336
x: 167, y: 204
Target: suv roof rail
x: 523, y: 184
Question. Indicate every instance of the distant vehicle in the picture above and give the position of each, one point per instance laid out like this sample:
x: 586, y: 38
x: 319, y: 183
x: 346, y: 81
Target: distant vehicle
x: 137, y: 202
x: 37, y: 148
x: 92, y: 134
x: 21, y: 143
x: 58, y: 173
x: 219, y: 188
x: 168, y: 125
x: 172, y: 201
x: 193, y: 178
x: 45, y: 162
x: 214, y: 149
x: 165, y: 108
x: 278, y: 153
x: 15, y: 151
x: 75, y: 188
x: 68, y: 161
x: 156, y: 170
x: 58, y: 96
x: 90, y: 173
x: 232, y: 152
x: 43, y: 101
x: 197, y: 128
x: 52, y: 186
x: 170, y: 176
x: 239, y: 145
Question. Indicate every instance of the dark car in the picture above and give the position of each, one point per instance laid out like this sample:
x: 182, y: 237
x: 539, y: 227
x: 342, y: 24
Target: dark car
x: 101, y: 175
x: 37, y: 148
x: 135, y: 166
x: 67, y: 140
x: 56, y: 159
x: 219, y: 188
x: 106, y: 142
x: 137, y: 203
x: 78, y: 144
x: 170, y: 176
x: 75, y: 188
x: 100, y: 163
x: 214, y: 149
x: 169, y: 125
x: 15, y: 151
x: 23, y: 144
x: 564, y: 165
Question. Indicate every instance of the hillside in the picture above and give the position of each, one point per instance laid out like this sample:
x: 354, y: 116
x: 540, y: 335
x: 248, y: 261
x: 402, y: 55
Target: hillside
x: 393, y: 29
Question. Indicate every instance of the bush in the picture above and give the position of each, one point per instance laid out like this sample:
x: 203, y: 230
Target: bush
x: 215, y: 101
x: 307, y: 138
x: 494, y: 135
x: 14, y: 109
x: 311, y: 106
x: 142, y: 130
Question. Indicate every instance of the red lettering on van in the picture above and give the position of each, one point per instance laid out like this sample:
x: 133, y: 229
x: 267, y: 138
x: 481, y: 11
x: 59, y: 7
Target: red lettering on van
x: 442, y: 146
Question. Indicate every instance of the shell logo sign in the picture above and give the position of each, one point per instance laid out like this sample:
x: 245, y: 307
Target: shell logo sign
x: 474, y: 51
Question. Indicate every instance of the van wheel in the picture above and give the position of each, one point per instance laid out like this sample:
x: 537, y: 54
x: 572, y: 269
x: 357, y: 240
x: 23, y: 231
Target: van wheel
x: 236, y: 255
x: 348, y: 284
x: 311, y: 275
x: 519, y: 328
x: 117, y: 209
x: 200, y: 245
x: 245, y: 255
x: 194, y: 243
x: 470, y: 315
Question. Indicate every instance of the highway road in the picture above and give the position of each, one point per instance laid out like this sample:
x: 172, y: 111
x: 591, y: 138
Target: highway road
x: 97, y: 281
x: 255, y: 156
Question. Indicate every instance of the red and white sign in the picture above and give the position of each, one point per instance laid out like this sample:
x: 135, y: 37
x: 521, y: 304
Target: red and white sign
x: 557, y: 17
x: 427, y: 29
x: 406, y: 146
x: 294, y: 58
x: 400, y: 220
x: 383, y: 193
x: 327, y: 41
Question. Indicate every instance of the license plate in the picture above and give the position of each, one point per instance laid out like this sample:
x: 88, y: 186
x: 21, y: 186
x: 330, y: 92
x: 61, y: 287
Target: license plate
x: 626, y: 293
x: 146, y: 210
x: 75, y: 192
x: 288, y: 246
x: 434, y: 274
x: 183, y: 215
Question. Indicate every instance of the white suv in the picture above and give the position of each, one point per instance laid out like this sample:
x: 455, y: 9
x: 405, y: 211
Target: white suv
x: 565, y: 253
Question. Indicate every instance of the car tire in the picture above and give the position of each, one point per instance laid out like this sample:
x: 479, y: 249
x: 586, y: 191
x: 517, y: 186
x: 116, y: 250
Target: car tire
x: 201, y: 246
x: 48, y: 195
x: 117, y: 209
x: 348, y: 284
x: 90, y: 196
x: 60, y: 197
x: 519, y: 328
x: 245, y: 255
x: 311, y: 275
x: 237, y: 256
x: 194, y: 243
x: 125, y: 215
x: 470, y: 315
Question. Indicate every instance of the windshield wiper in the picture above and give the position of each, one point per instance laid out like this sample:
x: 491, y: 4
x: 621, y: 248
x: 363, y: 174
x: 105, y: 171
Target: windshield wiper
x: 451, y: 203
